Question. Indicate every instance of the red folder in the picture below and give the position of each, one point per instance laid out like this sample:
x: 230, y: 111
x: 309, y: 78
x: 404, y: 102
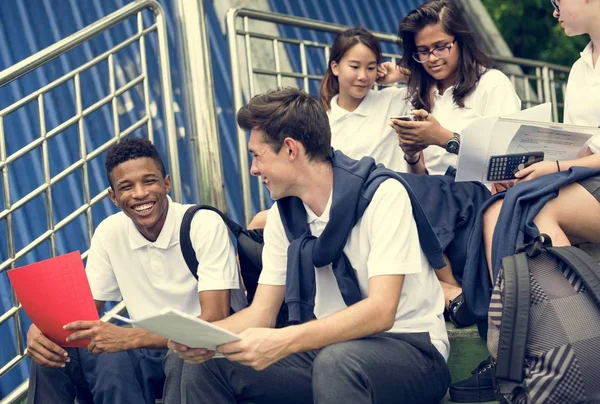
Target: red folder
x: 53, y: 293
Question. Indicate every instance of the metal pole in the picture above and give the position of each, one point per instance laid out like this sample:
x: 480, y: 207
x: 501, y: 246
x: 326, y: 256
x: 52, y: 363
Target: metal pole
x: 200, y: 100
x: 237, y: 104
x: 167, y: 96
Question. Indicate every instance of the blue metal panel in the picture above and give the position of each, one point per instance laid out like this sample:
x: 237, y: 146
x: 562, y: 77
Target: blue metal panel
x: 381, y: 15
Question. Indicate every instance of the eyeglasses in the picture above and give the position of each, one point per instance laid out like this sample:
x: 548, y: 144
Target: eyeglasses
x: 555, y: 5
x: 440, y: 52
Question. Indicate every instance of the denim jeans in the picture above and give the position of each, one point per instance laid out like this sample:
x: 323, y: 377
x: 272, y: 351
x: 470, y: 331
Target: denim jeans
x: 133, y: 376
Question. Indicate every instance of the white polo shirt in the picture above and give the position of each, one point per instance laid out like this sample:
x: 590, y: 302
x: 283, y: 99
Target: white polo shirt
x: 383, y: 242
x: 365, y: 131
x: 582, y: 97
x: 149, y: 276
x: 494, y: 95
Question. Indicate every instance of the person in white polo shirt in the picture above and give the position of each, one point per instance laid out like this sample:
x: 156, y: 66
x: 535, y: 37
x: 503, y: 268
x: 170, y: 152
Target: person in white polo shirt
x: 135, y: 256
x: 365, y: 304
x: 359, y: 115
x: 450, y: 85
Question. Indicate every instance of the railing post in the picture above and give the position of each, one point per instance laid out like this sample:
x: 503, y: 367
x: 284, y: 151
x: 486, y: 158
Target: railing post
x: 237, y: 104
x: 547, y: 91
x: 200, y: 101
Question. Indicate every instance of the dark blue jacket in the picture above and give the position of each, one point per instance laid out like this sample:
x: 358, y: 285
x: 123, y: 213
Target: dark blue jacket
x: 354, y: 184
x: 515, y: 227
x: 452, y: 208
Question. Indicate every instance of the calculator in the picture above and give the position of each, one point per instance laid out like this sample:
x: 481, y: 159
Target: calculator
x: 503, y: 168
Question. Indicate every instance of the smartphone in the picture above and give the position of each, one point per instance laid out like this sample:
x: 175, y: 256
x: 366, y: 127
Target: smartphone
x: 403, y: 118
x: 504, y: 167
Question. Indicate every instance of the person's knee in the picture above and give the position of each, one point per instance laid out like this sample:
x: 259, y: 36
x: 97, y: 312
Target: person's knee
x: 335, y: 363
x: 191, y: 374
x: 490, y: 216
x: 172, y: 364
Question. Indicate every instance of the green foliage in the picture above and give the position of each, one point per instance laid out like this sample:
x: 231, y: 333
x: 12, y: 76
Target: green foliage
x: 531, y: 31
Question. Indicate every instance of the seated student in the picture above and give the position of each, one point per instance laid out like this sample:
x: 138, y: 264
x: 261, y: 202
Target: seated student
x: 552, y: 195
x: 561, y: 218
x: 346, y: 242
x: 135, y: 256
x: 450, y: 85
x: 359, y: 116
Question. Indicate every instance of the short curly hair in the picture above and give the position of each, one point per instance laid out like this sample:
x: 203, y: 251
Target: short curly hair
x: 131, y: 149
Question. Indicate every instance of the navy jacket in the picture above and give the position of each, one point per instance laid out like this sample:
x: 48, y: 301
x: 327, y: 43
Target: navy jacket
x: 354, y: 184
x: 452, y: 209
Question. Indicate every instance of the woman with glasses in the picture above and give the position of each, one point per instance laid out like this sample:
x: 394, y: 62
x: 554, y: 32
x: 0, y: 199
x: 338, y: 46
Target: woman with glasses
x: 450, y: 85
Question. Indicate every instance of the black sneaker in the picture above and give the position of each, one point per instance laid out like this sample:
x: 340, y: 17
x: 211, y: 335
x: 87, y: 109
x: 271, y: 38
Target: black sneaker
x: 477, y: 388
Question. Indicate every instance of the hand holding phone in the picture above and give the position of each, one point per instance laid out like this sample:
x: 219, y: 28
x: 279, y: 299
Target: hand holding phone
x: 504, y: 167
x: 403, y: 117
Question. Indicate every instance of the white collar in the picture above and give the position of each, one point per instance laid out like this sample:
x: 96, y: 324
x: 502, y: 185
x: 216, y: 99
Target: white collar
x: 312, y: 217
x: 587, y: 55
x: 364, y: 108
x: 137, y: 240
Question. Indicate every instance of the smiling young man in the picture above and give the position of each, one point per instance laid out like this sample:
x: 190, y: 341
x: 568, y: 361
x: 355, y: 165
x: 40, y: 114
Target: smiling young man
x: 135, y: 256
x: 350, y: 251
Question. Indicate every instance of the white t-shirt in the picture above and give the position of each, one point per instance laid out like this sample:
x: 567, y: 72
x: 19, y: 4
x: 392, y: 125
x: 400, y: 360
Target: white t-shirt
x: 383, y: 242
x: 494, y: 95
x: 150, y: 276
x: 582, y: 97
x: 365, y: 131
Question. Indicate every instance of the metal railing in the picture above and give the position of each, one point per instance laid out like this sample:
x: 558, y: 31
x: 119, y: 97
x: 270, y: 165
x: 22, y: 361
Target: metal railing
x: 118, y: 86
x: 252, y: 33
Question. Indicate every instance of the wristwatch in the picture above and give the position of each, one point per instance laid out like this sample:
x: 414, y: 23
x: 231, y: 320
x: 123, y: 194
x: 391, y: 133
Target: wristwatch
x: 453, y: 144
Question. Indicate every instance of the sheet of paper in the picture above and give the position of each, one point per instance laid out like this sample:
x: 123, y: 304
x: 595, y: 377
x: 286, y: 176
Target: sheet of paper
x: 185, y: 329
x: 527, y: 130
x: 556, y: 144
x: 53, y: 293
x: 474, y: 143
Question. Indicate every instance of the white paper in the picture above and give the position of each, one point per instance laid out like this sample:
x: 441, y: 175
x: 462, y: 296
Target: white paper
x: 556, y: 144
x: 525, y: 131
x: 184, y: 329
x: 474, y: 143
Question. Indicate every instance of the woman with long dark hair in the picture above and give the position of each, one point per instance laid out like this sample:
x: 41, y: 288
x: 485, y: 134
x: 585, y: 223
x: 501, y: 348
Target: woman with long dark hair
x: 450, y: 85
x: 359, y: 115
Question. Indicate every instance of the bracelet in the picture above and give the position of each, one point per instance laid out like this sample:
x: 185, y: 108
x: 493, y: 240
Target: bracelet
x: 415, y: 162
x: 557, y: 166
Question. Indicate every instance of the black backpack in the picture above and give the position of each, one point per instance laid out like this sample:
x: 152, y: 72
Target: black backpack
x: 544, y: 325
x: 249, y: 249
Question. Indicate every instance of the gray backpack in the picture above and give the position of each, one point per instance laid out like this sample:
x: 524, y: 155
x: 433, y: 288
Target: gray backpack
x: 544, y: 326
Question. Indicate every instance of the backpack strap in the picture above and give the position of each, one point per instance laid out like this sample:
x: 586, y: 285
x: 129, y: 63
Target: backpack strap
x: 185, y: 241
x: 585, y: 266
x: 515, y: 321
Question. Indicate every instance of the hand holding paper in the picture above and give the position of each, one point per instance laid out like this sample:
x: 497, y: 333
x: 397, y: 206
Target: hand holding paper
x: 53, y: 293
x: 185, y: 329
x: 104, y: 337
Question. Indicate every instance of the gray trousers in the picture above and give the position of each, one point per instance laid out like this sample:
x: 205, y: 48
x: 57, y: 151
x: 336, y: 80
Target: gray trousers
x: 386, y: 368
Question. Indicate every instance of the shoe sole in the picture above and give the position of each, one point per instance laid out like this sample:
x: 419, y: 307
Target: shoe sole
x: 469, y: 395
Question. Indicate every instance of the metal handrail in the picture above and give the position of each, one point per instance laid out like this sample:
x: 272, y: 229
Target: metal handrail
x: 544, y: 90
x: 41, y: 142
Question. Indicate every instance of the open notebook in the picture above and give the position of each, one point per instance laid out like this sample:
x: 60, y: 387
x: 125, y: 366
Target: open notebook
x: 184, y: 329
